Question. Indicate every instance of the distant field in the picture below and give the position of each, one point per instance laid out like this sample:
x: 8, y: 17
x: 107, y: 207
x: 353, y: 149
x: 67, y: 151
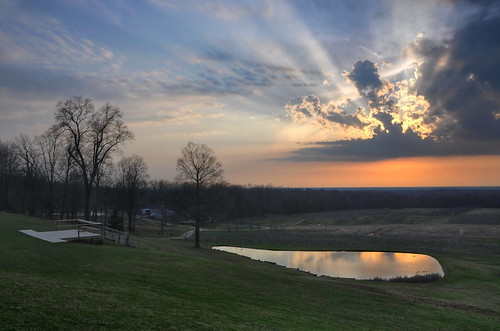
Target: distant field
x: 167, y: 284
x: 436, y: 231
x: 386, y: 216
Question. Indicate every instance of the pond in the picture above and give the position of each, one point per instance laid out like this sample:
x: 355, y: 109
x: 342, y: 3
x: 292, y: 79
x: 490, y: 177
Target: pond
x: 357, y: 265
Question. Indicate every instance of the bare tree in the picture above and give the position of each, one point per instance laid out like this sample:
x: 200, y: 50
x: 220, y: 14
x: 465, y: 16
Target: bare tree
x: 93, y: 135
x: 67, y: 166
x: 50, y: 146
x: 132, y: 176
x: 104, y: 176
x: 29, y: 154
x: 9, y: 165
x: 198, y: 166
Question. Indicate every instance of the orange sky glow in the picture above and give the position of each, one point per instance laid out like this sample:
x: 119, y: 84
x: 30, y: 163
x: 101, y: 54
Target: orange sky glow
x: 403, y: 172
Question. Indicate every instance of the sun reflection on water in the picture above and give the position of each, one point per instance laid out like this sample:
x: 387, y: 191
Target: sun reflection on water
x: 358, y: 265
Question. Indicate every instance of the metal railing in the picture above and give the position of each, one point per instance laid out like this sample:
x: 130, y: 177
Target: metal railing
x: 117, y: 236
x: 81, y: 226
x: 98, y: 228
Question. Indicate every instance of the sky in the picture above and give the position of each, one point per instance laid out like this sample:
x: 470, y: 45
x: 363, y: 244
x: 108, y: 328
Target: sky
x: 366, y: 93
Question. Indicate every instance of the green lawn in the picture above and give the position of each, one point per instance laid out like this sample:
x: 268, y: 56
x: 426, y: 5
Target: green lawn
x: 171, y: 285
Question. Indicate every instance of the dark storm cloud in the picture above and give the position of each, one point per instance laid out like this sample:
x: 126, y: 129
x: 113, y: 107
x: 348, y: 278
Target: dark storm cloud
x: 365, y: 77
x: 388, y: 145
x: 462, y: 80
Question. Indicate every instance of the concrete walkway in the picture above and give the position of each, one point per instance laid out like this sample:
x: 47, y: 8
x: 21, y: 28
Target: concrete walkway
x: 60, y: 236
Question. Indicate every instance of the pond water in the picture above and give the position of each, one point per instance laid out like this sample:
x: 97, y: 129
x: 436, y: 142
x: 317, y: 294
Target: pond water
x: 357, y: 265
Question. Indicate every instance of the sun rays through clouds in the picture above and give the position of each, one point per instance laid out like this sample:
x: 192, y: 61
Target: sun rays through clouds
x: 269, y: 84
x: 442, y: 99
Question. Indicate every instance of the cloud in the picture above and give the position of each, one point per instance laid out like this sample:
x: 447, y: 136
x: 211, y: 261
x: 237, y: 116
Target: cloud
x: 223, y: 70
x: 363, y: 118
x: 40, y: 40
x: 461, y: 80
x: 330, y: 116
x: 389, y: 144
x: 449, y: 105
x: 183, y: 111
x: 39, y: 43
x: 365, y: 77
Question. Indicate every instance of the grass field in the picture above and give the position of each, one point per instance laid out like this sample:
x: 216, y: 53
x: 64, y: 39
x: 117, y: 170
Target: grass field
x: 385, y: 216
x: 167, y: 284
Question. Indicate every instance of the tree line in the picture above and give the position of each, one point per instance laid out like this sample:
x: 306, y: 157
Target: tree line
x: 70, y: 171
x: 63, y: 172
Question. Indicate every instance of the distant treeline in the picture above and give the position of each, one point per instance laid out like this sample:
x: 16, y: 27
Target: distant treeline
x: 251, y: 201
x: 27, y: 190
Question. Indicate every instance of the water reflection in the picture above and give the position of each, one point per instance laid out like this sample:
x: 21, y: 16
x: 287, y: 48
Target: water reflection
x: 358, y: 265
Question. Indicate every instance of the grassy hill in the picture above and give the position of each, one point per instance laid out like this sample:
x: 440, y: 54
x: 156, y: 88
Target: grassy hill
x: 169, y: 285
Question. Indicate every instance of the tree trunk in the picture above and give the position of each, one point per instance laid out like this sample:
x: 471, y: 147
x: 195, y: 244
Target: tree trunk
x: 86, y: 206
x: 97, y: 198
x: 31, y: 198
x: 23, y: 197
x: 64, y: 208
x: 122, y: 220
x: 51, y: 200
x: 130, y: 215
x: 162, y: 222
x: 197, y: 221
x: 4, y: 202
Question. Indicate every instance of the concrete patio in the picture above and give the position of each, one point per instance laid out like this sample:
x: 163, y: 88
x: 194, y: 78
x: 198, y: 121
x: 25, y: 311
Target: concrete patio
x: 61, y: 236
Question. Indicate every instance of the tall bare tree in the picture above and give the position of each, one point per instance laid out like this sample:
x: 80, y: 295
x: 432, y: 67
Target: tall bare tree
x: 93, y: 135
x: 132, y: 176
x: 103, y: 177
x: 67, y: 165
x: 50, y: 146
x: 199, y: 167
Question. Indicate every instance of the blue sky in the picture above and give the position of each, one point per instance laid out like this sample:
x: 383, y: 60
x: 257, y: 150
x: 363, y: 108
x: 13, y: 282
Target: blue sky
x: 281, y: 90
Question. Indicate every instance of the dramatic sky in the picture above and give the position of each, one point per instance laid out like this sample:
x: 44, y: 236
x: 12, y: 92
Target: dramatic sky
x: 289, y: 93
